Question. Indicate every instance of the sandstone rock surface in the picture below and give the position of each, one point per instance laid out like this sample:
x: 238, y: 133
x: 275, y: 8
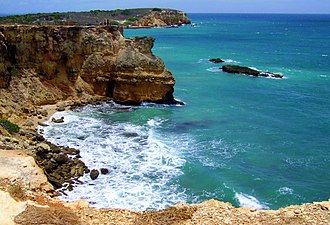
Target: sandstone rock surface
x: 54, y: 62
x: 9, y: 208
x: 163, y: 18
x: 17, y: 167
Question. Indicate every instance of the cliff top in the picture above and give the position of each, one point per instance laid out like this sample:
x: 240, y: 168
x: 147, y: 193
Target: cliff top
x: 124, y: 17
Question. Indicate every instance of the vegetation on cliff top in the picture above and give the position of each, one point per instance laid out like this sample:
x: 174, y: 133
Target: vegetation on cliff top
x: 124, y: 17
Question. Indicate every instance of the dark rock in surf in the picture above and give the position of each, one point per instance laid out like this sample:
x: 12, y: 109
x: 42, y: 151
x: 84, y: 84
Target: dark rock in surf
x: 270, y: 74
x: 248, y: 71
x: 240, y: 70
x: 104, y: 171
x: 216, y: 60
x: 94, y: 174
x: 60, y: 120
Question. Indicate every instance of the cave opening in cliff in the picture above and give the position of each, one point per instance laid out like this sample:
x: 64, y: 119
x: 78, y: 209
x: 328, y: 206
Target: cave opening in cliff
x: 111, y: 87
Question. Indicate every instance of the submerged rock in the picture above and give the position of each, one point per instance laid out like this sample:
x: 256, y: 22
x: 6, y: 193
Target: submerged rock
x: 248, y: 71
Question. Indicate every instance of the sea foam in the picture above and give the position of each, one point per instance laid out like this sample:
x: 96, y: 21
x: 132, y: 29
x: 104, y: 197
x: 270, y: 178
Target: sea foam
x: 248, y: 201
x: 142, y: 165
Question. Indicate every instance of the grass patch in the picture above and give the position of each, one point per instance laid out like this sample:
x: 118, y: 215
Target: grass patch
x: 9, y: 126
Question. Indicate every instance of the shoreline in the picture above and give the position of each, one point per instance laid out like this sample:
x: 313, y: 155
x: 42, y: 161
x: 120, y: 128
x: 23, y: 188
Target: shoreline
x: 24, y: 197
x: 210, y: 212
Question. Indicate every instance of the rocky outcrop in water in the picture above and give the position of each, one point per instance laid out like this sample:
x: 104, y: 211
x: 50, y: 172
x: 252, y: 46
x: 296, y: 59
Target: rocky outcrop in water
x: 249, y: 71
x: 62, y: 61
x: 216, y: 60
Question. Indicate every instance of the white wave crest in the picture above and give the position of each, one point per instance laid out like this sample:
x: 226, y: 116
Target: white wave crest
x: 285, y: 191
x: 248, y: 201
x: 213, y: 69
x: 142, y: 165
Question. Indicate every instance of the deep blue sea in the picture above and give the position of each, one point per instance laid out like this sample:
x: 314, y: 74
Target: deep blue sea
x: 254, y: 142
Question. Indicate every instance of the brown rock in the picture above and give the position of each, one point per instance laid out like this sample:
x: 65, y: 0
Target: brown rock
x: 104, y: 171
x: 56, y: 62
x: 163, y: 17
x: 60, y: 120
x: 94, y: 174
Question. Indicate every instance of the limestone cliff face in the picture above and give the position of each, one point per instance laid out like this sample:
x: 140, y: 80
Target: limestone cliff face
x: 75, y: 60
x: 163, y: 18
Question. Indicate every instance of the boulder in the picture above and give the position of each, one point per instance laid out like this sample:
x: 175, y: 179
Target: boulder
x: 60, y: 120
x: 60, y: 108
x: 104, y: 171
x: 94, y: 174
x: 216, y: 60
x: 61, y: 158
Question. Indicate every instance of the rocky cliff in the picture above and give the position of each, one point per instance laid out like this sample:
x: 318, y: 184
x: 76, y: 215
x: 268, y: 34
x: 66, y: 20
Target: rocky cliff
x: 141, y: 17
x: 55, y: 62
x: 162, y: 18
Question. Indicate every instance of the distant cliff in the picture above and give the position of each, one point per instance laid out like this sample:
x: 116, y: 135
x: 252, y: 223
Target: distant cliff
x: 44, y: 64
x: 145, y: 17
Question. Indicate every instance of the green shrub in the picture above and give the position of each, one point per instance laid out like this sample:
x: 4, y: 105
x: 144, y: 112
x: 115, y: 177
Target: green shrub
x: 132, y: 19
x: 114, y: 22
x: 13, y: 72
x: 156, y: 10
x: 9, y: 126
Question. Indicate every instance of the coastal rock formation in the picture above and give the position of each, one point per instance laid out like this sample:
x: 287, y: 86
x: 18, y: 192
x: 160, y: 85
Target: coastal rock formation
x: 249, y: 71
x: 59, y: 164
x: 56, y: 62
x: 216, y: 60
x: 141, y: 17
x: 161, y: 18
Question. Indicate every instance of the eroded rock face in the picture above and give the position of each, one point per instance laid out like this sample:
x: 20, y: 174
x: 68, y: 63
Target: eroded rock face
x: 71, y: 60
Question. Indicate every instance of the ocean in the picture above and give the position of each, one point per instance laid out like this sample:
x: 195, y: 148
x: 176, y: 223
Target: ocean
x: 255, y: 142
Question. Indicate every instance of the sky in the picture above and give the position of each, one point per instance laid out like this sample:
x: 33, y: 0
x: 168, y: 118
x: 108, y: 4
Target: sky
x: 191, y: 6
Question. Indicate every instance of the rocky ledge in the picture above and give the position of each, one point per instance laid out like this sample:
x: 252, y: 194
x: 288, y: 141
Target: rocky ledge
x: 67, y: 61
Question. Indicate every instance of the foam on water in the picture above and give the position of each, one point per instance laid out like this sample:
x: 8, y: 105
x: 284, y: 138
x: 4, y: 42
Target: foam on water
x: 248, y: 201
x: 213, y: 69
x: 285, y: 191
x: 142, y: 166
x: 231, y: 61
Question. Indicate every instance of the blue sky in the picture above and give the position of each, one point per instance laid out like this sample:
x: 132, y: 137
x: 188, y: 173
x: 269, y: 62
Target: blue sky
x: 213, y: 6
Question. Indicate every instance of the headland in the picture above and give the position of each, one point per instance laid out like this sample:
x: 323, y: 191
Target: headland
x: 53, y: 68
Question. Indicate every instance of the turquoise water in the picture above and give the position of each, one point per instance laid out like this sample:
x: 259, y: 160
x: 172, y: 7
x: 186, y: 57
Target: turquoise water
x: 254, y: 142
